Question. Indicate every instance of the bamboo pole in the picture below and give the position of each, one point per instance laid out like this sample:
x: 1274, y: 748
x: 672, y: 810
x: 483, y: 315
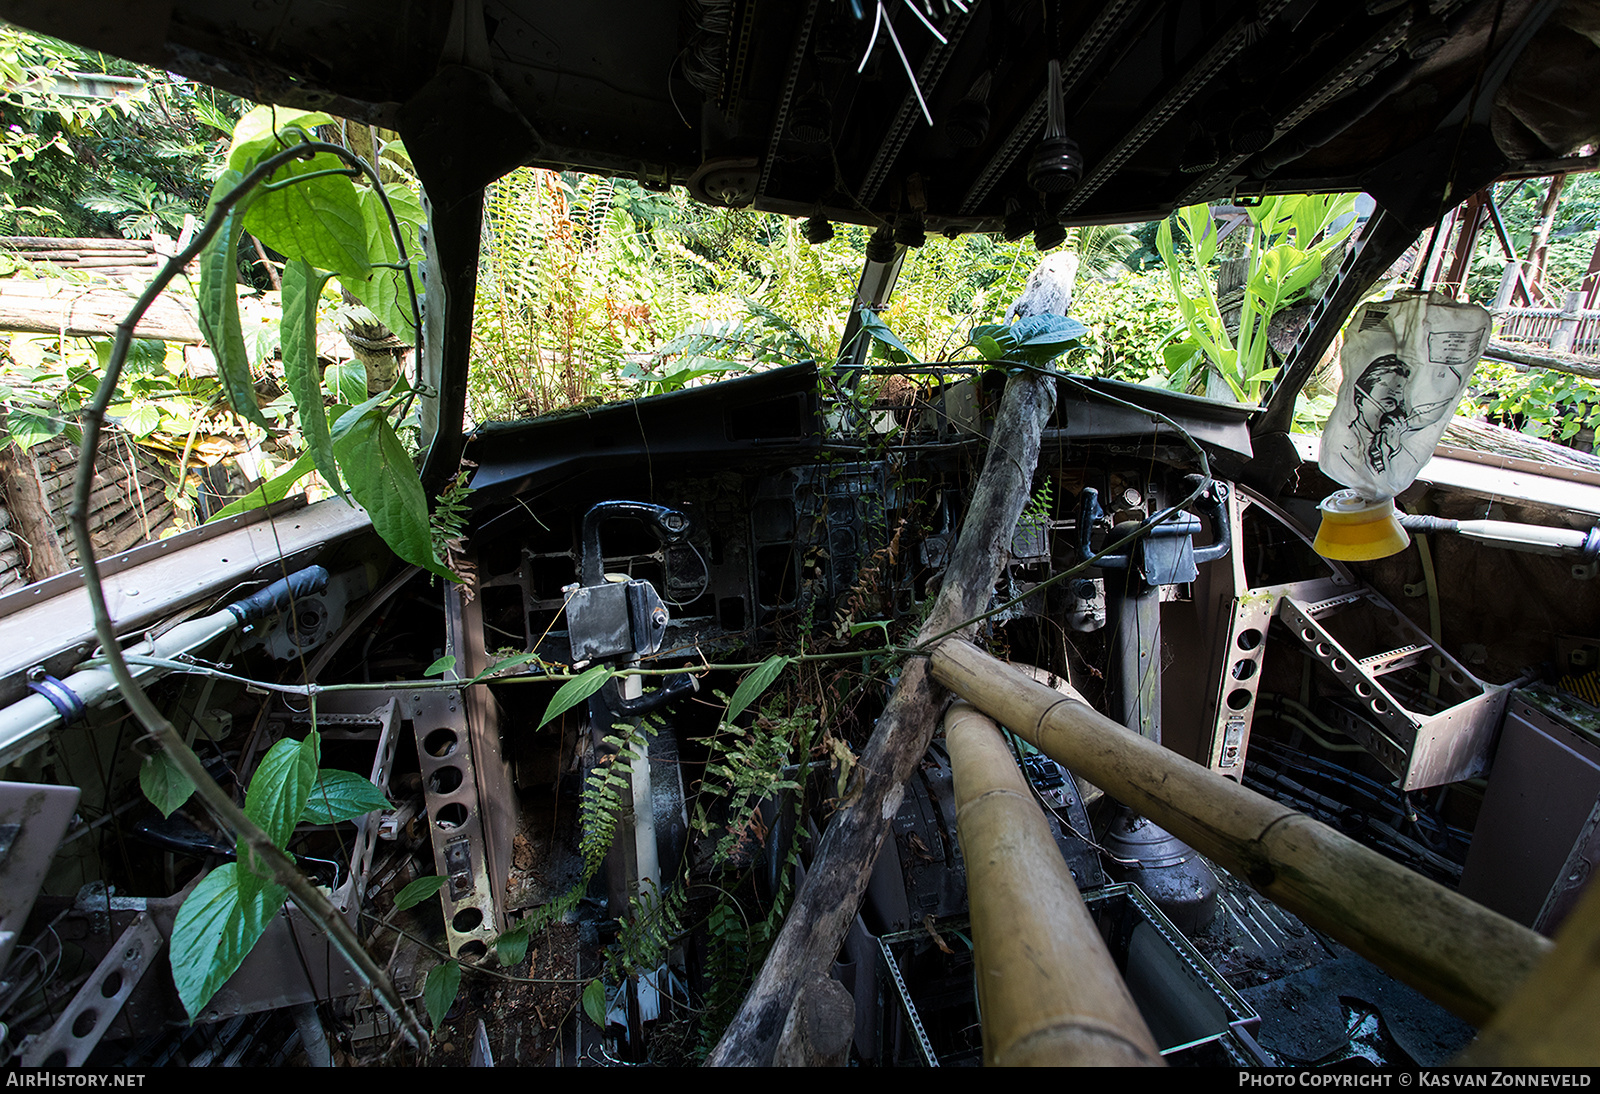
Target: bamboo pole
x: 828, y: 899
x: 1458, y: 953
x: 1551, y: 1019
x: 1048, y: 988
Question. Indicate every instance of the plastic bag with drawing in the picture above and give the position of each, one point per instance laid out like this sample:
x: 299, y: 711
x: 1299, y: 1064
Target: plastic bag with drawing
x: 1406, y: 364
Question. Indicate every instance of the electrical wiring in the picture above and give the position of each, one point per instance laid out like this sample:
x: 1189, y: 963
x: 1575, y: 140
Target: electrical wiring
x: 705, y: 585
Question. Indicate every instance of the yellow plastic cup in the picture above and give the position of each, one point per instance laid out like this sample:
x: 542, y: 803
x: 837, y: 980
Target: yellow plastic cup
x: 1355, y: 529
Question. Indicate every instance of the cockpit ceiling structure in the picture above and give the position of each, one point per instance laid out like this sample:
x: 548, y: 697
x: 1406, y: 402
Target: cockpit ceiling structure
x: 928, y: 117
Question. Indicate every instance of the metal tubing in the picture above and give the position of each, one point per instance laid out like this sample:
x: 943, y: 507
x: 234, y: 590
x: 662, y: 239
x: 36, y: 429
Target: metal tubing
x: 24, y: 723
x: 1134, y: 609
x: 1048, y: 988
x: 1458, y: 953
x: 1537, y: 538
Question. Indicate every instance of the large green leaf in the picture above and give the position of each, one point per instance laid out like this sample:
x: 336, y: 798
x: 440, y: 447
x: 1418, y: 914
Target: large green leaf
x: 380, y: 475
x: 1042, y: 338
x: 278, y: 792
x: 265, y: 129
x: 162, y: 782
x: 219, y: 309
x: 215, y: 928
x: 757, y: 681
x: 385, y: 292
x: 1164, y: 246
x: 341, y: 795
x: 270, y: 492
x: 512, y: 947
x: 1283, y: 272
x: 1182, y: 355
x: 994, y: 340
x: 302, y: 286
x: 346, y: 382
x: 594, y: 1002
x: 439, y: 989
x: 317, y: 220
x: 575, y: 691
x: 142, y: 419
x: 29, y: 426
x: 1202, y: 232
x: 884, y: 339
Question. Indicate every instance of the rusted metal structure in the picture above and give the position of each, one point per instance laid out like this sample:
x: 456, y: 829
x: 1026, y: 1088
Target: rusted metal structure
x: 745, y: 518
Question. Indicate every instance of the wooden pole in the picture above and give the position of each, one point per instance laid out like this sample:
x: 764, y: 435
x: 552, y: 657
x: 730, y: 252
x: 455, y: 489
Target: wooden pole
x: 1460, y: 954
x: 1048, y: 989
x: 1474, y: 211
x: 820, y: 1028
x: 1564, y: 362
x: 31, y: 515
x: 1567, y: 330
x: 827, y: 901
x: 44, y: 307
x: 1552, y: 1019
x: 1539, y: 250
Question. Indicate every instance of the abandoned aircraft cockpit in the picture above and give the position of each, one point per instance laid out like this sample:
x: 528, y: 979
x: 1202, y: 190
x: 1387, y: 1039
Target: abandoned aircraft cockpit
x: 852, y: 711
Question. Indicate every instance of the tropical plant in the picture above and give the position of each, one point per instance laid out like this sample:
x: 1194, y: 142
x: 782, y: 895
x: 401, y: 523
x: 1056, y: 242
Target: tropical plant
x: 297, y: 194
x: 1553, y: 405
x: 1289, y: 239
x: 139, y: 205
x: 1133, y: 318
x: 82, y: 159
x: 565, y: 290
x: 226, y: 914
x: 311, y: 211
x: 1574, y: 230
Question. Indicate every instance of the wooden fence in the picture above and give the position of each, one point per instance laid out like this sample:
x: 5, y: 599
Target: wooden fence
x: 128, y: 506
x: 1567, y: 329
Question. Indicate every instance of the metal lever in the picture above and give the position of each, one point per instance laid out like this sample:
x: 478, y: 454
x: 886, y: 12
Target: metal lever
x: 1165, y: 555
x: 669, y: 525
x: 1176, y: 564
x: 1213, y: 502
x: 625, y: 621
x: 673, y: 687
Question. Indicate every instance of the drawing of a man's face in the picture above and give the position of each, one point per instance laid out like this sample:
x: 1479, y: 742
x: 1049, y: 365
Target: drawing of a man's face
x: 1380, y: 404
x: 1383, y: 383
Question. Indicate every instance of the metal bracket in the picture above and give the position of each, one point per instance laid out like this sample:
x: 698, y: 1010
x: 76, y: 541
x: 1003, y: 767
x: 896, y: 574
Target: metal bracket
x: 455, y: 821
x: 74, y: 1035
x: 1424, y: 747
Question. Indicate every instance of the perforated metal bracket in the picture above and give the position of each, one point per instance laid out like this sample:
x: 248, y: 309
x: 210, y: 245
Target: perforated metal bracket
x: 1241, y: 673
x: 1421, y: 738
x: 86, y: 1019
x: 455, y: 821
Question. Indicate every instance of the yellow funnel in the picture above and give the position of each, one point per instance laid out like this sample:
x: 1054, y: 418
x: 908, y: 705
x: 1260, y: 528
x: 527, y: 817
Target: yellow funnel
x: 1357, y: 530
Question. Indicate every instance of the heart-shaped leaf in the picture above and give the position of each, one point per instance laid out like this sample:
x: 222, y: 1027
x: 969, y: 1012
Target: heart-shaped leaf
x: 439, y: 989
x: 215, y: 928
x: 162, y: 782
